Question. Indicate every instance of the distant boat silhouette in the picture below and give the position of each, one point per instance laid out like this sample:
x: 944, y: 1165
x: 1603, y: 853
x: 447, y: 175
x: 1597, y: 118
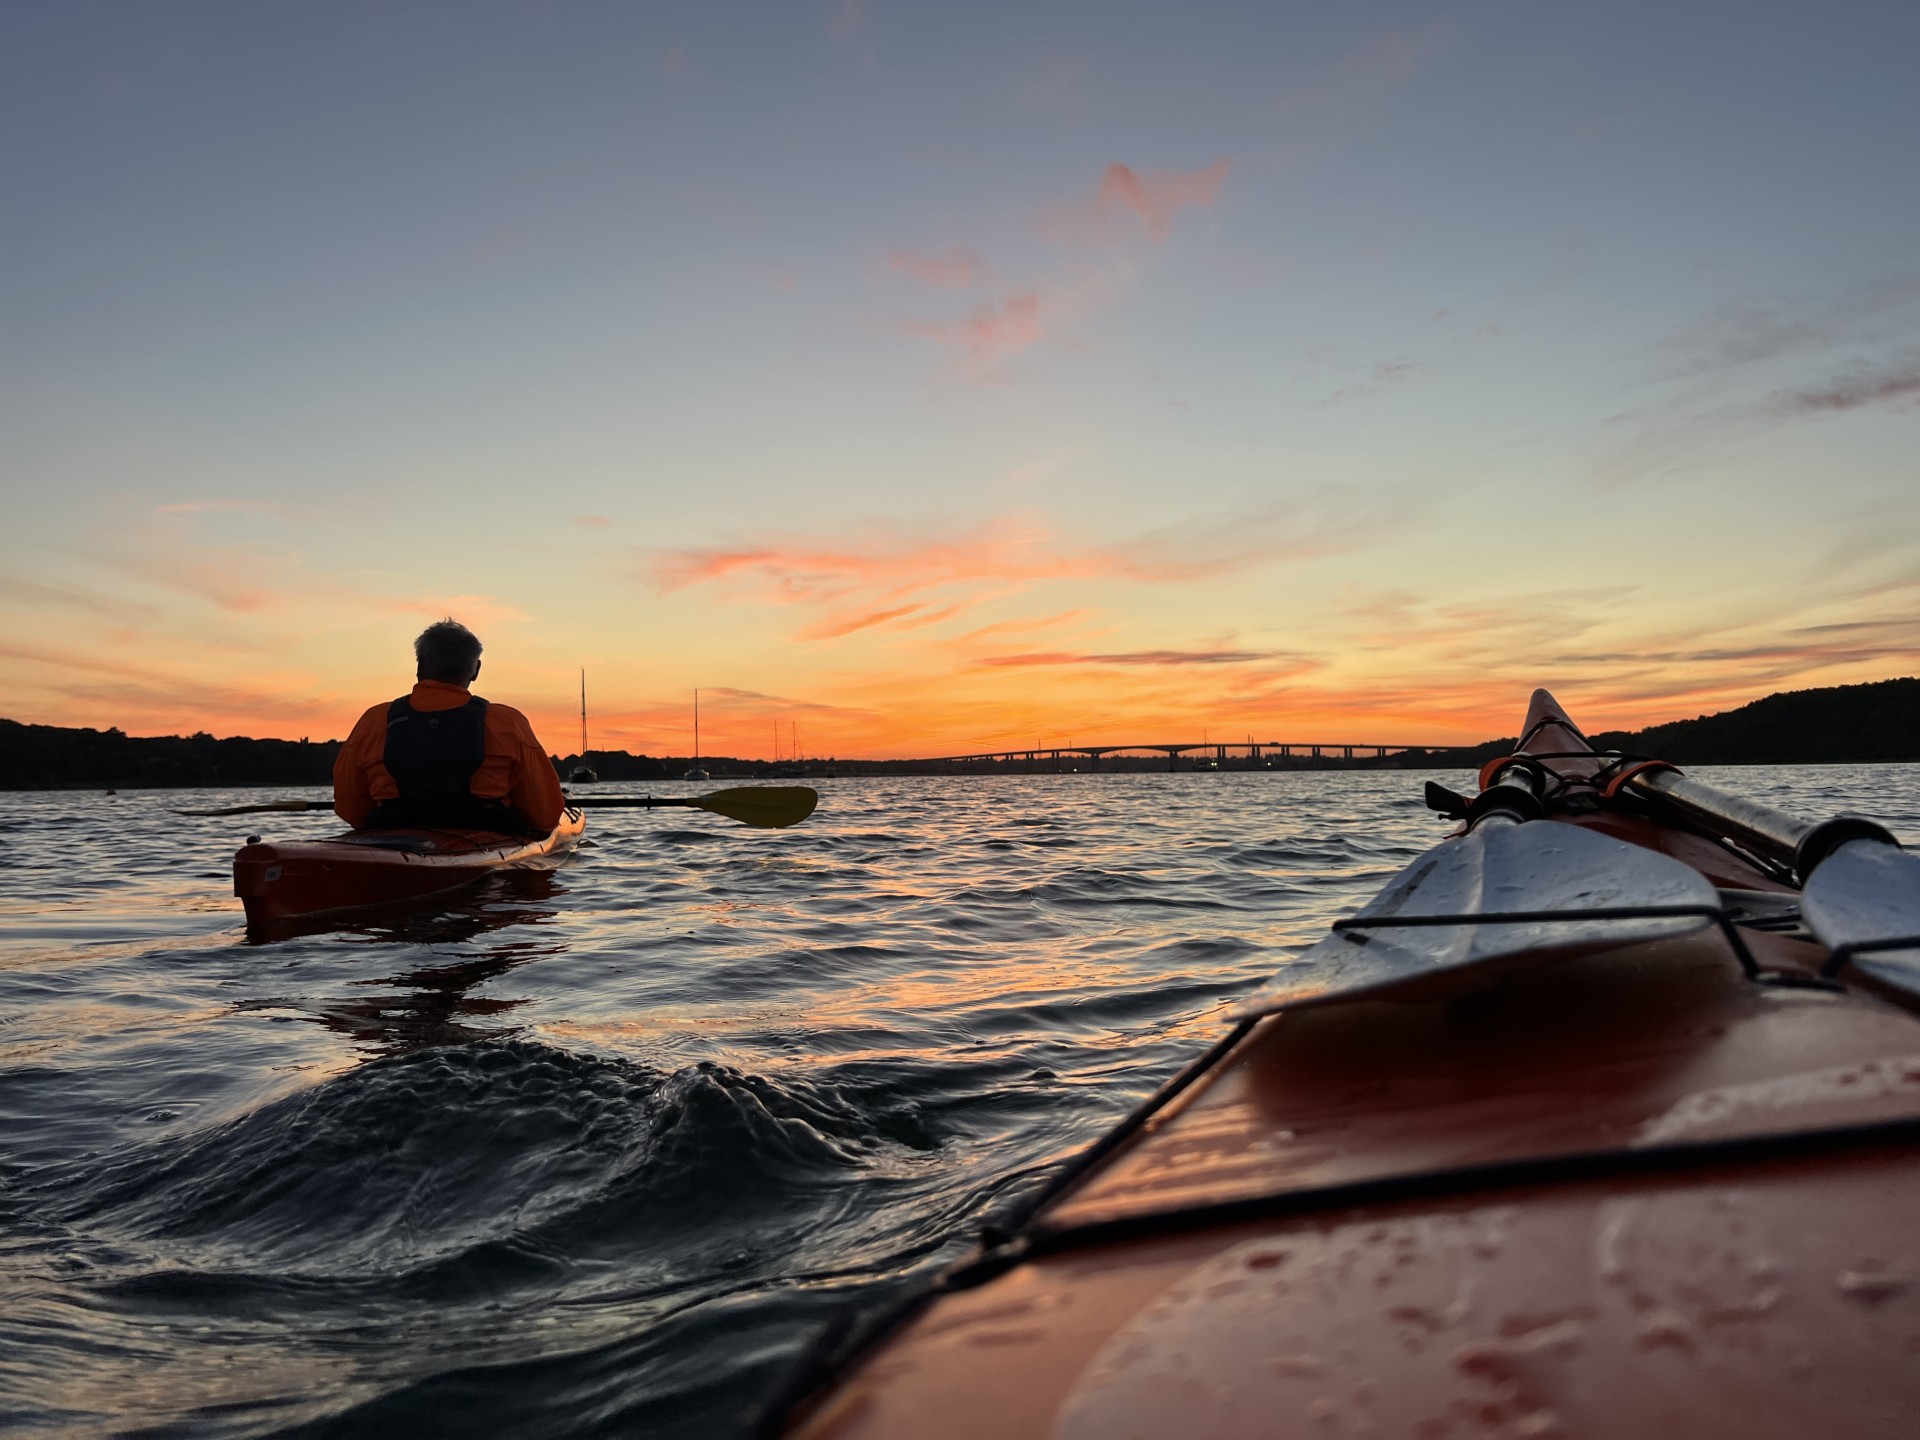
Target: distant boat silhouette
x: 696, y: 773
x: 790, y: 769
x: 583, y: 773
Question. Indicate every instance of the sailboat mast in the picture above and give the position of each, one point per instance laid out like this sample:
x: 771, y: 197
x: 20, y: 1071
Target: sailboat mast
x: 583, y: 716
x: 696, y: 726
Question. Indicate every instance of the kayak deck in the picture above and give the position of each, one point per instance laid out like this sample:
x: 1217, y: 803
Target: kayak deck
x: 279, y: 881
x: 1628, y: 1193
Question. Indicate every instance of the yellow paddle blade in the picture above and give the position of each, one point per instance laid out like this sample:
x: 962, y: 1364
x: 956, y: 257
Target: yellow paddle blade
x: 768, y: 807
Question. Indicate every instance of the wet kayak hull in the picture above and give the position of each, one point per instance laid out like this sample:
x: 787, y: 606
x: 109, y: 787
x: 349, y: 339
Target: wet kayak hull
x: 287, y: 880
x: 1634, y: 1192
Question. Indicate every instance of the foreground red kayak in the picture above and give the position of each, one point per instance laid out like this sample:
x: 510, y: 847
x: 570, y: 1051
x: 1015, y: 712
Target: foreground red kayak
x: 1601, y: 1120
x: 280, y: 881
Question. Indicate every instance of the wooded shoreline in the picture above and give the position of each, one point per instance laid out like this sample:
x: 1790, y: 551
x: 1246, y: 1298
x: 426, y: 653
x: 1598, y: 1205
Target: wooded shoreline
x: 1845, y: 724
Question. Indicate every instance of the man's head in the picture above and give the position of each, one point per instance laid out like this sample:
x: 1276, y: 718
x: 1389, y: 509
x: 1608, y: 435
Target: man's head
x: 449, y: 651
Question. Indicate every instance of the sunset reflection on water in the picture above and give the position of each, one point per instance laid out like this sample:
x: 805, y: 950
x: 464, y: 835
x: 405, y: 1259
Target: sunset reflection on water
x: 604, y: 1148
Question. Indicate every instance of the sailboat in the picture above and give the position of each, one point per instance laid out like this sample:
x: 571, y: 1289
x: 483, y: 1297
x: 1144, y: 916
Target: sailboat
x: 583, y: 773
x: 696, y: 773
x: 791, y: 769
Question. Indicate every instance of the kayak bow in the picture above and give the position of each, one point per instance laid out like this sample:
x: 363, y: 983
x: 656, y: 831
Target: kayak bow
x: 1657, y: 1182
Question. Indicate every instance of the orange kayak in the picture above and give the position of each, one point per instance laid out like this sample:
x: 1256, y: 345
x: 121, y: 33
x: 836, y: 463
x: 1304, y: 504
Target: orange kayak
x: 378, y: 867
x: 1641, y: 1168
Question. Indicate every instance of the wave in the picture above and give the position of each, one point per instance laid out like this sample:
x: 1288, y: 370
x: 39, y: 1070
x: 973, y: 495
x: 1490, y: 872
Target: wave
x: 509, y: 1147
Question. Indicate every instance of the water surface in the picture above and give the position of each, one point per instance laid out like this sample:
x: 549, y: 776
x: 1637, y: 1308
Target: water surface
x: 599, y: 1152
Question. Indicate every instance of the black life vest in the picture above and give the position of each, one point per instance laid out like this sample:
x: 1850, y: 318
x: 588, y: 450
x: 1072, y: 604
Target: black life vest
x: 432, y: 756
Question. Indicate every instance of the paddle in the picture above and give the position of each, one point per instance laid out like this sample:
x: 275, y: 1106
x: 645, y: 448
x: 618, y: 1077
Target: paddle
x: 1508, y: 894
x: 1859, y: 891
x: 274, y: 806
x: 766, y: 807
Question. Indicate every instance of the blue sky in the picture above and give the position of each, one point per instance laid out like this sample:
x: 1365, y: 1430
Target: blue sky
x: 950, y: 376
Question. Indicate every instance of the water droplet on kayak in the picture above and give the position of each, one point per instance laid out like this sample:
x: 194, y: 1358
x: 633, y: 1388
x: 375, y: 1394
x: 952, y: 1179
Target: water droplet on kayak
x: 1871, y: 1284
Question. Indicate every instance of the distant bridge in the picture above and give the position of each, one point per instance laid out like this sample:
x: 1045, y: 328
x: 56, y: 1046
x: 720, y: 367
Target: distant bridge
x: 1253, y: 752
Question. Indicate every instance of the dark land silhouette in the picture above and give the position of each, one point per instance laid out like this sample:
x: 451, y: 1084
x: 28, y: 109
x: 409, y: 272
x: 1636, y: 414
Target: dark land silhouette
x: 1842, y: 724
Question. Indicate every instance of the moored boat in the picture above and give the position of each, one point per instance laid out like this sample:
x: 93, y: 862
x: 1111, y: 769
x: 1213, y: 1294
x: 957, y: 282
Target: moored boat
x: 1602, y: 1119
x: 282, y: 880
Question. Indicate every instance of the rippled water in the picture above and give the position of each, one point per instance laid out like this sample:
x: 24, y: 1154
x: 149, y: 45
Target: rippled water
x: 598, y: 1152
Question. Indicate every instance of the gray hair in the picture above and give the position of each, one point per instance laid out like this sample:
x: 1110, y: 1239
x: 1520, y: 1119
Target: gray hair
x: 447, y: 650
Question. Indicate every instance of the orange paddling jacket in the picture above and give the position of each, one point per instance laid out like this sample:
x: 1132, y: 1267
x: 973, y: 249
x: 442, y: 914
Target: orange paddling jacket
x: 512, y: 767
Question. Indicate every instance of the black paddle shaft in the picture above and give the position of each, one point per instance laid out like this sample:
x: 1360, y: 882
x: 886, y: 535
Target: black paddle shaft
x: 1773, y: 834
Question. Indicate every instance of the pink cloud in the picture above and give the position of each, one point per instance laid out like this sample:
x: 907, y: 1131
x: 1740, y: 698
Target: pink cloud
x: 994, y: 330
x: 1157, y: 196
x: 957, y: 269
x: 1136, y: 657
x: 1019, y: 549
x: 1005, y: 549
x: 592, y: 522
x: 901, y: 581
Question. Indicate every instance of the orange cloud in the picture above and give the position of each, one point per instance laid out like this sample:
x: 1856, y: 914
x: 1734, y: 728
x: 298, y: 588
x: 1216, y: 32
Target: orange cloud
x: 1159, y: 195
x: 899, y: 617
x: 1017, y: 548
x: 955, y: 270
x: 894, y: 579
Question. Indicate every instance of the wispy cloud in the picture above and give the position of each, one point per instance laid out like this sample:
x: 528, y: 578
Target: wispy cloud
x: 849, y: 19
x: 211, y: 507
x: 1736, y: 371
x: 255, y: 580
x: 33, y: 593
x: 154, y: 697
x: 897, y: 617
x: 1382, y: 375
x: 1022, y: 547
x: 1157, y: 196
x: 1156, y: 658
x: 1898, y: 387
x: 1596, y: 645
x: 1747, y: 331
x: 991, y: 331
x: 1128, y: 202
x: 900, y: 579
x: 957, y: 268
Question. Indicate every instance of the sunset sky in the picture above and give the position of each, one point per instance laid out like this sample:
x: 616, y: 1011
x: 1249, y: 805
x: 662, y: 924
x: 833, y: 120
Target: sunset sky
x: 942, y: 378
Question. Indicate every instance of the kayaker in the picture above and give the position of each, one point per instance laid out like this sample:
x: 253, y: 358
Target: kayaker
x: 442, y: 756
